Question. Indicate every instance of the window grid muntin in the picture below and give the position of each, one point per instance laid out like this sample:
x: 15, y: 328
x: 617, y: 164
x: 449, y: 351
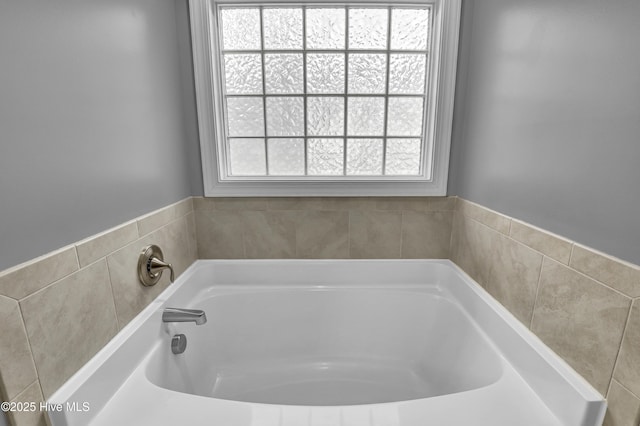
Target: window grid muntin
x: 425, y: 144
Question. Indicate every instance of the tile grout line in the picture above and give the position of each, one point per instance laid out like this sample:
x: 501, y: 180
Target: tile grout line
x: 402, y: 219
x: 535, y: 301
x: 33, y: 358
x: 626, y: 388
x: 113, y: 295
x: 349, y: 234
x: 615, y: 364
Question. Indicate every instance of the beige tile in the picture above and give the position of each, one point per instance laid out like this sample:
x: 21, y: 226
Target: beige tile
x: 375, y: 234
x: 513, y: 276
x: 156, y: 219
x: 24, y: 279
x: 322, y: 235
x: 348, y: 203
x: 203, y: 203
x: 269, y: 234
x: 484, y: 215
x: 100, y: 245
x: 623, y: 407
x: 183, y: 207
x: 17, y: 370
x: 440, y: 204
x: 581, y: 320
x: 30, y: 418
x: 416, y: 204
x: 295, y: 203
x: 426, y: 235
x: 628, y: 367
x: 545, y: 242
x: 129, y: 294
x: 68, y: 322
x: 219, y: 234
x: 249, y: 203
x: 190, y: 221
x: 613, y: 272
x: 471, y: 244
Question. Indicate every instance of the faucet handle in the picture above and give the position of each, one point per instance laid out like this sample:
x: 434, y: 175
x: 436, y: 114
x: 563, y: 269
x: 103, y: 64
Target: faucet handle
x: 151, y: 264
x: 156, y: 266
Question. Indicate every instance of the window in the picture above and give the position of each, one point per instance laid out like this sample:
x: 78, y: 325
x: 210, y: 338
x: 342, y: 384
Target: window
x: 335, y: 99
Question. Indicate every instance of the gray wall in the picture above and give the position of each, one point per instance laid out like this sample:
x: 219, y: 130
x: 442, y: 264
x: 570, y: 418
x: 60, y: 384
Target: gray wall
x: 547, y: 121
x: 91, y: 122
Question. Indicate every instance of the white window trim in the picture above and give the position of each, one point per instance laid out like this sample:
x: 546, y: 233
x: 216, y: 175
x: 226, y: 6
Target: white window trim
x: 208, y: 100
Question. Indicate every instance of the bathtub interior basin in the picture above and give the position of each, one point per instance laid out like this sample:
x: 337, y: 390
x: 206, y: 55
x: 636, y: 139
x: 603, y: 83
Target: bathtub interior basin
x: 329, y: 346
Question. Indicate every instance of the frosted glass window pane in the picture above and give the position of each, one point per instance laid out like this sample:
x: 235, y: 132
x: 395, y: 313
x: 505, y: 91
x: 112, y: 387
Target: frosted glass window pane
x: 285, y: 116
x: 286, y: 157
x: 325, y: 28
x: 325, y: 156
x: 409, y: 29
x: 245, y: 116
x: 325, y: 116
x: 407, y: 73
x: 364, y: 157
x: 325, y: 73
x: 243, y: 74
x: 403, y: 157
x: 240, y: 29
x: 405, y: 117
x: 282, y: 28
x: 368, y: 28
x: 365, y: 116
x: 367, y: 73
x: 247, y: 157
x: 283, y: 73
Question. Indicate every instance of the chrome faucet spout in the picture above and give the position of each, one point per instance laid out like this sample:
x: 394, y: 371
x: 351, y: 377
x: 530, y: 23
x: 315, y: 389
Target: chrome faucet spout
x: 184, y: 315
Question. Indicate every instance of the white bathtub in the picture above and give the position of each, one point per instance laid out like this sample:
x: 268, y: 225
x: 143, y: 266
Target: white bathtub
x: 340, y: 343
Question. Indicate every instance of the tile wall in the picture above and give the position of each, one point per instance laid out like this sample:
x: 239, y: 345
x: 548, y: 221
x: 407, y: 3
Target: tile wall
x: 583, y: 304
x: 57, y: 311
x: 323, y: 228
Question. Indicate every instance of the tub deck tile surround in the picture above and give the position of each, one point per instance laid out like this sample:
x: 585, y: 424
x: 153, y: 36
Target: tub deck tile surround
x: 492, y: 219
x: 269, y: 234
x: 375, y: 234
x: 471, y: 248
x: 417, y: 204
x: 17, y: 369
x: 513, y: 276
x: 24, y: 279
x: 547, y: 243
x: 68, y: 322
x: 41, y: 301
x: 159, y: 218
x: 613, y: 272
x: 580, y: 304
x: 219, y: 234
x: 33, y: 393
x: 627, y: 371
x: 129, y: 295
x: 426, y: 235
x: 624, y: 407
x: 240, y: 228
x: 100, y: 245
x: 322, y: 234
x: 581, y: 320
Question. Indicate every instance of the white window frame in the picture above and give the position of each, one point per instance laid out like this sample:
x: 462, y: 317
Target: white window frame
x: 444, y: 51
